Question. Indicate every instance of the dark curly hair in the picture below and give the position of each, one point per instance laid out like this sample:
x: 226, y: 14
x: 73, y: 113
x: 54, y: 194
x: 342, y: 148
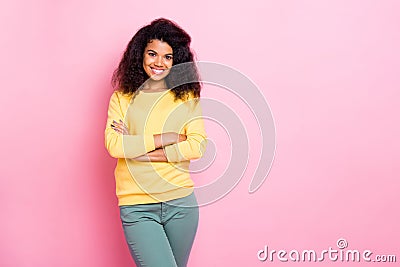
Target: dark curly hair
x: 130, y: 76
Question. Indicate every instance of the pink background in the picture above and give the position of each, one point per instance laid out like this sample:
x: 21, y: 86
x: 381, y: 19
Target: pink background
x: 328, y: 69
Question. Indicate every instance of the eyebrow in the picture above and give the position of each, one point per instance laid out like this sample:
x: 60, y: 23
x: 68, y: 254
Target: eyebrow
x: 151, y: 50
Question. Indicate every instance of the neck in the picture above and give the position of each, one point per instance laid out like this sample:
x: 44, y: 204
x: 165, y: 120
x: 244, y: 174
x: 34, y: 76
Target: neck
x: 152, y: 85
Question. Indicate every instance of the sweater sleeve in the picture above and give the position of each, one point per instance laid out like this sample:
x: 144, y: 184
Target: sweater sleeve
x: 196, y: 139
x: 124, y: 146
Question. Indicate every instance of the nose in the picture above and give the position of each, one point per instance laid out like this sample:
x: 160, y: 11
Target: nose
x: 158, y: 61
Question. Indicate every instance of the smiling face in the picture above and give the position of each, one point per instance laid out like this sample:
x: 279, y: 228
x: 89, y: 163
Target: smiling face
x: 157, y: 59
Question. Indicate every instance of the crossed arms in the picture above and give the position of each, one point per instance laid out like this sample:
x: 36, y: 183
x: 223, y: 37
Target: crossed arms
x: 160, y: 141
x: 164, y: 147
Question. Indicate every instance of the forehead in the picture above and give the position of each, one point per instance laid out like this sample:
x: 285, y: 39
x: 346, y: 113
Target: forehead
x: 159, y: 46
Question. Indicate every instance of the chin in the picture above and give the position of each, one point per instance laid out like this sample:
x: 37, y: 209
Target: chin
x: 158, y: 77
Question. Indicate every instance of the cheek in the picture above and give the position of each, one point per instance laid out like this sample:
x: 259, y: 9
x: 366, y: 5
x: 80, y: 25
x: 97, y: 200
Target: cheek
x: 146, y: 60
x: 169, y: 63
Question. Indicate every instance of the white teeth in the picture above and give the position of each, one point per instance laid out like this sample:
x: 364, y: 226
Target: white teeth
x: 157, y: 71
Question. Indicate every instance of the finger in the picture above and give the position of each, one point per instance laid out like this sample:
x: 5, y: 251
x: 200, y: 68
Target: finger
x: 120, y: 130
x: 123, y: 123
x: 116, y: 128
x: 116, y: 123
x: 120, y: 124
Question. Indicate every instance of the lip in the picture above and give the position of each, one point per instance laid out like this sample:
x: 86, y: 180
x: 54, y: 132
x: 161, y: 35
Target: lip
x: 157, y: 71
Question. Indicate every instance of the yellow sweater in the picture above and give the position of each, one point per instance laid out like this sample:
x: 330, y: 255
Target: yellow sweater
x: 147, y: 114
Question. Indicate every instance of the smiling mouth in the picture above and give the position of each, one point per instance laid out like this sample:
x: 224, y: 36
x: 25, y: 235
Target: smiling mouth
x: 157, y: 71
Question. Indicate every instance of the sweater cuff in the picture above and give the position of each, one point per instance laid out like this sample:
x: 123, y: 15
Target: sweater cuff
x: 172, y: 153
x: 149, y: 142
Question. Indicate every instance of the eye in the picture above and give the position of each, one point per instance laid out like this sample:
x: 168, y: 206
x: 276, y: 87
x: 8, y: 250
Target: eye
x: 168, y: 57
x: 152, y: 54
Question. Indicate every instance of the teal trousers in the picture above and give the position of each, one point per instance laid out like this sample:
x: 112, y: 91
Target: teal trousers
x: 161, y: 234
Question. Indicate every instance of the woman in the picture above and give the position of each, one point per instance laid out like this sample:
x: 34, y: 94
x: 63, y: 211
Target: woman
x: 154, y: 128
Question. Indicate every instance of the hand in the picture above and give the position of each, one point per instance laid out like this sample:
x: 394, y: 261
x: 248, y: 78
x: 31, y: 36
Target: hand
x: 173, y: 138
x: 169, y: 138
x: 157, y: 155
x: 120, y: 127
x: 181, y: 137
